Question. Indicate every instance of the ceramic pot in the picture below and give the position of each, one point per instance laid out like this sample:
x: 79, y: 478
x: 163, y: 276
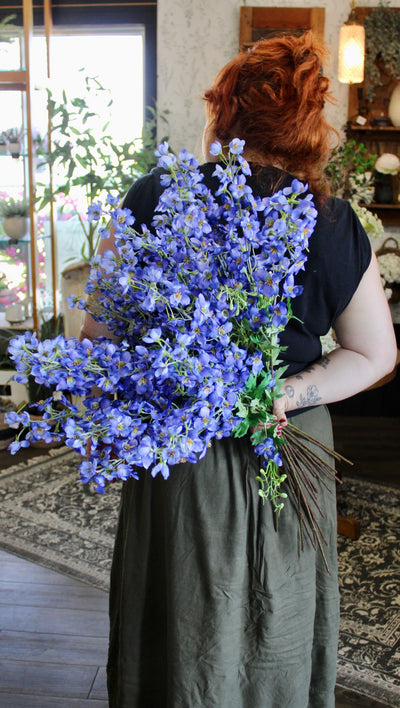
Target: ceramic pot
x: 15, y: 149
x: 15, y: 312
x: 16, y: 227
x: 73, y: 280
x: 394, y: 107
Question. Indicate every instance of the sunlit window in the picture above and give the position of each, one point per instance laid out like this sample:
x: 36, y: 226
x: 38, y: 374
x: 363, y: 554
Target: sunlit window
x: 115, y: 58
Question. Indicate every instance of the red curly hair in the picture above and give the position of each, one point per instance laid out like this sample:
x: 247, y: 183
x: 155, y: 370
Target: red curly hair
x: 272, y: 96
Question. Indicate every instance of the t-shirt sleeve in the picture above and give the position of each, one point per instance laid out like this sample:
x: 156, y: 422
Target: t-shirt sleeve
x: 351, y: 254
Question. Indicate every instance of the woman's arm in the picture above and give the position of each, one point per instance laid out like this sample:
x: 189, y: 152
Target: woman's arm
x: 367, y: 352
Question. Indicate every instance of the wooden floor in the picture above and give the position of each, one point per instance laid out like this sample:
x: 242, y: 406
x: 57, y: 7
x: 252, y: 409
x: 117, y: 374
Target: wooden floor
x: 53, y: 639
x: 53, y: 629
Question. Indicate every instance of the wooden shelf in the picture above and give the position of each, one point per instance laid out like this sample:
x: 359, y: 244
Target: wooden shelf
x: 13, y: 80
x: 381, y: 131
x: 388, y: 213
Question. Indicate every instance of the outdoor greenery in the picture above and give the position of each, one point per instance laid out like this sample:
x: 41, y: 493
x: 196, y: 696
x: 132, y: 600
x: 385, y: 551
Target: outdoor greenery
x: 86, y: 160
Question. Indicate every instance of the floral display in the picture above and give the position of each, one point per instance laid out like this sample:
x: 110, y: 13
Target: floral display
x: 198, y: 303
x: 389, y: 267
x: 387, y: 164
x: 388, y: 262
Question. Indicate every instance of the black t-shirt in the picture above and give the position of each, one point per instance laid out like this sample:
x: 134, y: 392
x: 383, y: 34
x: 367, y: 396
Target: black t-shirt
x: 339, y: 254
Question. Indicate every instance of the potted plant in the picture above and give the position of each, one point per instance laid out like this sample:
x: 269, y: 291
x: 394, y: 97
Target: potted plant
x: 87, y: 164
x: 386, y: 166
x: 8, y: 30
x: 15, y: 213
x: 382, y: 56
x: 349, y: 171
x: 14, y: 136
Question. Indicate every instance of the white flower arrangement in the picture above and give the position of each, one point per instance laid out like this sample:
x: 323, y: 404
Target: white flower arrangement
x: 389, y: 268
x: 387, y: 164
x: 372, y: 225
x: 389, y: 263
x: 328, y: 342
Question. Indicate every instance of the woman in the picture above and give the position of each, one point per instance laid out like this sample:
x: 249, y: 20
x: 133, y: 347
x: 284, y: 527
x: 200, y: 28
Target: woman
x: 210, y: 607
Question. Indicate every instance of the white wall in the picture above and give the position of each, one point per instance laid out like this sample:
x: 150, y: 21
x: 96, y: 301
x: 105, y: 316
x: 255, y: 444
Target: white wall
x: 197, y: 37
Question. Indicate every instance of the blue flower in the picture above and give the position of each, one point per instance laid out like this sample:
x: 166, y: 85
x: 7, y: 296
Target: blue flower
x: 197, y: 303
x: 236, y: 146
x: 95, y: 211
x: 215, y: 148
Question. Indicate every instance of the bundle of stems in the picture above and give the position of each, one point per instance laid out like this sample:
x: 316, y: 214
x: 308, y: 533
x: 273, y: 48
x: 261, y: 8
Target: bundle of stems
x: 304, y: 466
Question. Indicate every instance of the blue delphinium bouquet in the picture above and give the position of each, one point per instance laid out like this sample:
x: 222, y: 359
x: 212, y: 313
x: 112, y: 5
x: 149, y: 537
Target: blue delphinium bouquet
x: 198, y: 302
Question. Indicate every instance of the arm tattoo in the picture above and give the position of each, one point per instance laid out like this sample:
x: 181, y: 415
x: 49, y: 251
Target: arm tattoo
x: 289, y: 390
x: 324, y: 362
x: 311, y: 397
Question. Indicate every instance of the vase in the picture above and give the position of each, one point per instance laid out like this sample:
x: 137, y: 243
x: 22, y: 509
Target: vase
x: 384, y: 193
x: 15, y: 227
x: 394, y: 107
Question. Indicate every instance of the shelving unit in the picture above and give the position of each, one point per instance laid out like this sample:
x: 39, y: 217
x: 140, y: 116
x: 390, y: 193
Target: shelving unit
x: 20, y: 80
x: 377, y: 139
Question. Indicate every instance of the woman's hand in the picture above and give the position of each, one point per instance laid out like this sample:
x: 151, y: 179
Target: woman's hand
x: 281, y: 404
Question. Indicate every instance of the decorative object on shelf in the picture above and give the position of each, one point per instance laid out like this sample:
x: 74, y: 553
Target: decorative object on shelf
x: 351, y: 50
x: 386, y: 166
x: 381, y: 121
x: 394, y: 107
x: 349, y: 171
x: 14, y: 137
x: 384, y: 191
x: 382, y: 56
x: 14, y: 213
x: 15, y: 313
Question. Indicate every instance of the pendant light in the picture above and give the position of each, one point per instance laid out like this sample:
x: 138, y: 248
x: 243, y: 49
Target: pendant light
x: 351, y: 49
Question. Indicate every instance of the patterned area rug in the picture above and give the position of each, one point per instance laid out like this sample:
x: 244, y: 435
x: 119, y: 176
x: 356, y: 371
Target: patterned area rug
x: 369, y: 574
x: 49, y: 517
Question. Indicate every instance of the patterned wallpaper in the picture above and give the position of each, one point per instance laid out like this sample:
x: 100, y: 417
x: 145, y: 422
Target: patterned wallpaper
x: 197, y: 37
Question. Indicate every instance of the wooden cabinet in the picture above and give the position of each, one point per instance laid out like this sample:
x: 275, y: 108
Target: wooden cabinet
x: 263, y: 22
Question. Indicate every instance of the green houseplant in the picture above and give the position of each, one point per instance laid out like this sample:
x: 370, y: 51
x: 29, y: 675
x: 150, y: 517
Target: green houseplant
x: 14, y: 213
x: 8, y: 30
x: 349, y: 170
x: 382, y: 56
x: 87, y: 165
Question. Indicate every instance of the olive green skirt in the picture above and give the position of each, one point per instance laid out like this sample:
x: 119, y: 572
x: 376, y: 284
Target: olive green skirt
x: 210, y: 606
